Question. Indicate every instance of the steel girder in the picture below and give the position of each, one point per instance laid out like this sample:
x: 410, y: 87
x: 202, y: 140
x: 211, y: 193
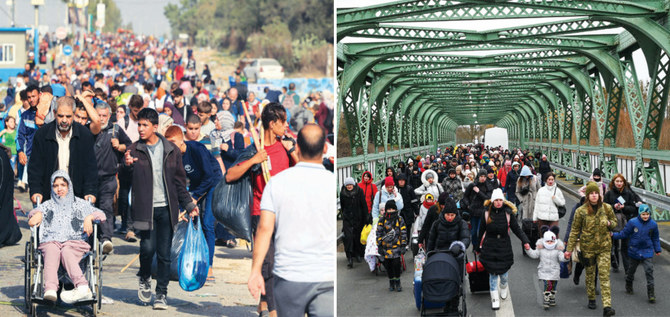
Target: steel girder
x: 419, y: 85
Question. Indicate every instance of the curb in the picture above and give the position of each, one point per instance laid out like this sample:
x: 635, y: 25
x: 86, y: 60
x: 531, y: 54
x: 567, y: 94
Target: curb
x: 665, y: 244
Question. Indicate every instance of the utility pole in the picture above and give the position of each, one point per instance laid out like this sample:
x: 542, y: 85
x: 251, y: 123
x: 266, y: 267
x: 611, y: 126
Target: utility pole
x: 36, y: 36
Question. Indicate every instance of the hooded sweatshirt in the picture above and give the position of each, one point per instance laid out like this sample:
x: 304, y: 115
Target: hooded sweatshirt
x: 63, y: 217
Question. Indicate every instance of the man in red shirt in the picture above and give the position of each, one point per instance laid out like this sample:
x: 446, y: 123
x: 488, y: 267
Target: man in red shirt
x: 280, y: 155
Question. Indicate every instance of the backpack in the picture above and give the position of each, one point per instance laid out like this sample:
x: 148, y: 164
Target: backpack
x: 288, y: 102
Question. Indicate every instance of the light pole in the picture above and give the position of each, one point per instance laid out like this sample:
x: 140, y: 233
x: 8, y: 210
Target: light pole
x: 36, y: 37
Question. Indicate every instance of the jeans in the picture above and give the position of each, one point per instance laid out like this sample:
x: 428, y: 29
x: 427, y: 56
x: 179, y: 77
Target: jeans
x: 493, y: 281
x: 125, y: 182
x: 208, y: 224
x: 648, y: 270
x: 474, y: 231
x: 158, y: 241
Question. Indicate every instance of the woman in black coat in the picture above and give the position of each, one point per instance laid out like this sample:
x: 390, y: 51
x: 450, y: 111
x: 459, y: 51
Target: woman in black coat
x: 449, y: 231
x: 619, y: 188
x: 475, y: 196
x: 354, y: 214
x: 10, y: 233
x: 495, y: 244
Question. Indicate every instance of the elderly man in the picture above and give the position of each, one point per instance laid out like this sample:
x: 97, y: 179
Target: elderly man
x: 303, y: 267
x: 66, y: 145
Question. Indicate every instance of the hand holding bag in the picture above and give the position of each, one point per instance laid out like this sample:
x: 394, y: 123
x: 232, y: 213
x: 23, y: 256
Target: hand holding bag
x: 561, y: 209
x: 364, y: 234
x: 194, y: 258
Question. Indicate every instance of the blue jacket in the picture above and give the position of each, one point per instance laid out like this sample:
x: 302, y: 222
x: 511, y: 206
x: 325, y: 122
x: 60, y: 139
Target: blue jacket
x: 27, y: 129
x: 643, y: 236
x: 201, y: 168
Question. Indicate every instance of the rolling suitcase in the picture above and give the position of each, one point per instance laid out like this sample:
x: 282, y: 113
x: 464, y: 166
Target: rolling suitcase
x: 478, y: 277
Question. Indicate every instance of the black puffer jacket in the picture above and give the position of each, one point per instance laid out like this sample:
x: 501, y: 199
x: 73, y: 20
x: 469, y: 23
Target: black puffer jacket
x: 475, y: 201
x: 354, y: 207
x: 496, y: 248
x: 444, y: 233
x: 410, y: 209
x: 629, y: 209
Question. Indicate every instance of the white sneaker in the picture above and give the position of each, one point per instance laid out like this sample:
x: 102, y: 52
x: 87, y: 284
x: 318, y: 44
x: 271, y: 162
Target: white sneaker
x: 107, y: 247
x: 495, y: 301
x: 503, y: 291
x: 50, y: 295
x: 78, y: 294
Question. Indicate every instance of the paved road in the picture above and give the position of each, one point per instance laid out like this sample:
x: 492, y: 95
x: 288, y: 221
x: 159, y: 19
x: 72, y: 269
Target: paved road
x: 228, y: 296
x: 361, y: 293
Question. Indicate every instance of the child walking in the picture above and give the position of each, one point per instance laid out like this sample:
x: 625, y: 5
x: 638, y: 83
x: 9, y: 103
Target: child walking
x: 66, y: 222
x: 550, y: 252
x: 644, y: 243
x: 392, y: 243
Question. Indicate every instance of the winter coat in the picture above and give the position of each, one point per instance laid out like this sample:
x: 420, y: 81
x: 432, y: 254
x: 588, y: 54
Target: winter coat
x: 527, y: 200
x: 369, y: 189
x: 424, y: 221
x: 591, y: 230
x: 354, y: 208
x: 545, y: 207
x: 174, y: 178
x: 380, y: 201
x: 510, y: 184
x: 496, y: 246
x: 644, y: 241
x: 443, y: 233
x: 453, y: 187
x: 629, y: 209
x: 543, y: 169
x: 493, y: 182
x: 475, y: 201
x: 82, y: 168
x: 435, y: 188
x: 549, y: 268
x: 391, y: 236
x: 409, y: 210
x: 466, y: 182
x: 601, y: 186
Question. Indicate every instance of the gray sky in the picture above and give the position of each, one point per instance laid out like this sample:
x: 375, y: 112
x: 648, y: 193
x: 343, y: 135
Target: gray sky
x: 146, y: 15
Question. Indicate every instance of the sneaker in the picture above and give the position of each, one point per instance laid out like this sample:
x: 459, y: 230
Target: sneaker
x: 130, y: 236
x: 51, y: 295
x: 144, y: 290
x: 78, y: 294
x: 592, y: 304
x: 107, y: 247
x: 503, y: 291
x: 161, y: 302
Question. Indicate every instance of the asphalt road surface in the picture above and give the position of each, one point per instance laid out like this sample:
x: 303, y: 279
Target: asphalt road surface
x: 361, y: 293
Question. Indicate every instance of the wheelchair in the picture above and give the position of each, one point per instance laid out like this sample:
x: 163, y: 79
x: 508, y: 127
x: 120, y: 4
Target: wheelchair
x: 91, y: 265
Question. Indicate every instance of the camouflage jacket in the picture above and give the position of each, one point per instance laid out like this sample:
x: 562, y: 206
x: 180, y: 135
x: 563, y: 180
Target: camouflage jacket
x: 592, y: 231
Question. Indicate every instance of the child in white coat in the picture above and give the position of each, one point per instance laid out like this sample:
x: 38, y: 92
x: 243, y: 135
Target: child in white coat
x: 550, y: 252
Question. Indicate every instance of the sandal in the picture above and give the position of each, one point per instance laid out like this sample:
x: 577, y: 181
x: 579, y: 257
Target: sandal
x: 211, y: 279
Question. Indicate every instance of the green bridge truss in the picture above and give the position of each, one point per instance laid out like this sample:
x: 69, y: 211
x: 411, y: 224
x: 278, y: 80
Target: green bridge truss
x: 407, y: 84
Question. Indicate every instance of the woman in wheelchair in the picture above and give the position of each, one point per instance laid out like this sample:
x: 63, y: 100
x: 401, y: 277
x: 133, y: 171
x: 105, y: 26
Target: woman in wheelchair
x: 66, y: 222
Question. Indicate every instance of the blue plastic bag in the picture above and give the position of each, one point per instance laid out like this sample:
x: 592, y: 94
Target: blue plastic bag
x: 194, y: 258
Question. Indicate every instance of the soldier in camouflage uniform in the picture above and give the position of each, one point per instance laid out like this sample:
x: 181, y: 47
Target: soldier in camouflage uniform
x: 591, y: 227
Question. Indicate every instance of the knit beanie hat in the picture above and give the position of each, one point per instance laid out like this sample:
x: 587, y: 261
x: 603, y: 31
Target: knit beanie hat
x: 390, y: 204
x: 644, y: 208
x: 591, y: 187
x: 548, y: 237
x: 596, y: 172
x: 497, y: 194
x: 429, y: 176
x: 349, y: 181
x: 388, y: 181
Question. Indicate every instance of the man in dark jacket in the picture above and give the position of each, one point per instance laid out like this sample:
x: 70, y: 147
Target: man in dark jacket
x: 109, y: 144
x: 159, y: 188
x: 510, y: 183
x: 65, y: 145
x: 409, y: 210
x: 354, y: 216
x: 474, y: 197
x: 544, y: 168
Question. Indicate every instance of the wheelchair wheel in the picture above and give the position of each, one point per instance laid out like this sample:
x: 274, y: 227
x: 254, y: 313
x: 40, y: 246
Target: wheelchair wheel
x: 29, y: 271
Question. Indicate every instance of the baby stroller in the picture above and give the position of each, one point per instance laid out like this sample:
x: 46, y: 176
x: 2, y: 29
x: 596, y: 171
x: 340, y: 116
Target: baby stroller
x: 442, y: 281
x: 91, y: 265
